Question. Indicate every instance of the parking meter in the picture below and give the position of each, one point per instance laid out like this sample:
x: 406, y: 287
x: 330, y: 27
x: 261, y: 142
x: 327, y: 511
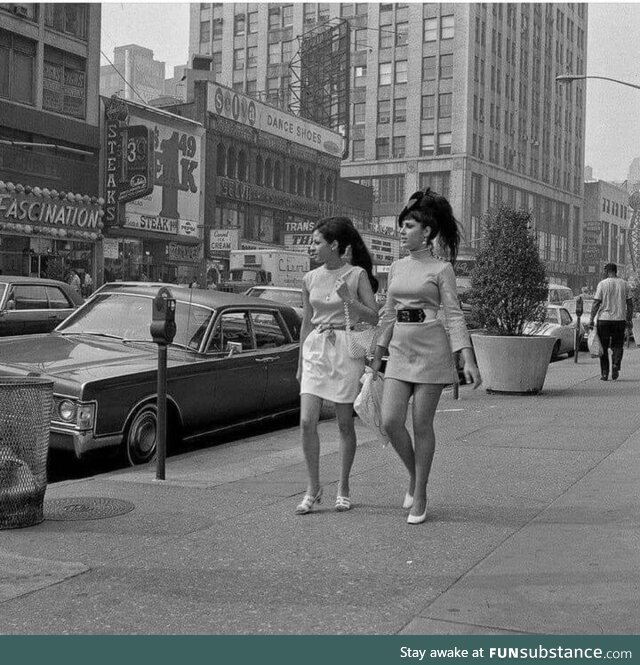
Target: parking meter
x: 163, y: 330
x: 163, y: 317
x: 579, y: 312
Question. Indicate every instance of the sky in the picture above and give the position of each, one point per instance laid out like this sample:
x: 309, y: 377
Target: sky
x: 612, y: 114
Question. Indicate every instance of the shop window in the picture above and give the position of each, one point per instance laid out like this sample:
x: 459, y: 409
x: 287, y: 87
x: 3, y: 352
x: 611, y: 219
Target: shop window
x: 329, y: 189
x: 242, y: 165
x: 68, y: 18
x: 231, y: 163
x: 300, y: 187
x: 321, y: 187
x: 259, y: 170
x: 292, y: 179
x: 221, y: 159
x: 277, y: 175
x: 17, y: 59
x: 308, y: 185
x: 268, y: 172
x: 63, y: 83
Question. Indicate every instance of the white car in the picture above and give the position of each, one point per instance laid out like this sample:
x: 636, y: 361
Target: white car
x: 558, y: 323
x: 289, y: 295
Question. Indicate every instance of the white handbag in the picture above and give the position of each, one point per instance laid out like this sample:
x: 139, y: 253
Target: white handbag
x: 361, y: 337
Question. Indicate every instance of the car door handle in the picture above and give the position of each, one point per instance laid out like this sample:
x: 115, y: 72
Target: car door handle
x: 268, y: 359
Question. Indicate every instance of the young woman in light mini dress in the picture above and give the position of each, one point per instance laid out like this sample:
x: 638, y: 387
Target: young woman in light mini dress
x: 420, y: 348
x: 326, y: 372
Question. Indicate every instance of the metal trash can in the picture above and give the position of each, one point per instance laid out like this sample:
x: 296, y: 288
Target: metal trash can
x: 26, y: 405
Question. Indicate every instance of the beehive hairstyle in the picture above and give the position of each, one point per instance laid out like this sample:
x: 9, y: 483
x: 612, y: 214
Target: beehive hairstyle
x: 433, y: 210
x: 342, y: 230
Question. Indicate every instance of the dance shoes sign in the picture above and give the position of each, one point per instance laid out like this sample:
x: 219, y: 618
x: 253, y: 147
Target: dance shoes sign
x: 228, y: 103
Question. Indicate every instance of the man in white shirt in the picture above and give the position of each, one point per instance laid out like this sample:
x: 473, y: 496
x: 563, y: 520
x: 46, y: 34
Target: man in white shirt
x: 615, y: 307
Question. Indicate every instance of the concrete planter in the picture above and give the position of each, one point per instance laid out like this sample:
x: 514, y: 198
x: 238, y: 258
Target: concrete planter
x: 513, y: 364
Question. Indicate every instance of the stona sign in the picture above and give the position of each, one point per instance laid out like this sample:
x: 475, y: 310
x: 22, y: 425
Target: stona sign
x: 228, y: 103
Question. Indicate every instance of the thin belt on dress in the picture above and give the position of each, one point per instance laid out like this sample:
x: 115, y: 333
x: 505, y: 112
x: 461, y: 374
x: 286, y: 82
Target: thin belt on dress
x: 323, y: 327
x: 413, y: 315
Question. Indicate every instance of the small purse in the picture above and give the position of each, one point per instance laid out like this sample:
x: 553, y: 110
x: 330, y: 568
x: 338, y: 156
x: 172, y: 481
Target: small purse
x: 361, y: 337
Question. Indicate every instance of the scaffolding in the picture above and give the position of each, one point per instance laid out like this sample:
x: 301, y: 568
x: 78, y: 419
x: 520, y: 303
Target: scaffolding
x: 319, y: 80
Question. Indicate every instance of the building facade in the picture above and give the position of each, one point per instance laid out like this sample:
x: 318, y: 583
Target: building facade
x: 606, y: 230
x: 458, y: 97
x: 269, y: 175
x: 134, y: 74
x: 50, y: 214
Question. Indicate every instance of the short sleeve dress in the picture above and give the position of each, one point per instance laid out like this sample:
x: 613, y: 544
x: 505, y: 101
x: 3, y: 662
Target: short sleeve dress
x: 423, y: 352
x: 327, y: 370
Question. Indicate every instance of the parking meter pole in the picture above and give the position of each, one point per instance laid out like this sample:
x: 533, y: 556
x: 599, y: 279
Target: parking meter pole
x: 163, y: 330
x: 161, y: 409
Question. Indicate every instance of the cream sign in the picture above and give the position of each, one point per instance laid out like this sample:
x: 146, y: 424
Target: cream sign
x: 226, y: 102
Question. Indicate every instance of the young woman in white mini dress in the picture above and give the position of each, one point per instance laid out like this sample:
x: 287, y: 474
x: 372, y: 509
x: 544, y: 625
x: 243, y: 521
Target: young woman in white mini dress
x: 326, y: 372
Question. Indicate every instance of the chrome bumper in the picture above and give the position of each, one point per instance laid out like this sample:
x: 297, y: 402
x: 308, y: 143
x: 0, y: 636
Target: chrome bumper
x: 80, y: 442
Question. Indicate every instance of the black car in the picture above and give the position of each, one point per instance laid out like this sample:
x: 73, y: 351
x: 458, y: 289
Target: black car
x: 34, y: 305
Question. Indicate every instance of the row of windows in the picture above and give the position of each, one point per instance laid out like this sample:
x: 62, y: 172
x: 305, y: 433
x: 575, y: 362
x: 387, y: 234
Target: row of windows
x: 232, y: 163
x: 395, y: 147
x: 69, y: 19
x: 63, y: 78
x: 614, y: 208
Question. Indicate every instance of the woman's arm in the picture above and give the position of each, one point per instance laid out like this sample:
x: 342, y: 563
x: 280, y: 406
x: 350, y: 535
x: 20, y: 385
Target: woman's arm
x: 305, y: 328
x: 363, y: 306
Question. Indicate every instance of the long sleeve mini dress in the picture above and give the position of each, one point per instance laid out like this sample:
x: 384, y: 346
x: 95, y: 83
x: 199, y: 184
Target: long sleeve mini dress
x: 423, y: 352
x: 327, y: 369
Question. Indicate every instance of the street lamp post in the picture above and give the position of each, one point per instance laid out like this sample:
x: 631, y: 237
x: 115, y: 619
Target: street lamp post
x: 569, y: 78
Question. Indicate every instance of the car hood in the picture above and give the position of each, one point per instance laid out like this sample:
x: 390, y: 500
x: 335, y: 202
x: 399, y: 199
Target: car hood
x: 76, y: 358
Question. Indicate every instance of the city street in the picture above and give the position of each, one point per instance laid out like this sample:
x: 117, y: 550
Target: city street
x: 533, y: 528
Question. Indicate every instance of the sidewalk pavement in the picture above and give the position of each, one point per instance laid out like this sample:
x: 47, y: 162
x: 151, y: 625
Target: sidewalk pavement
x: 533, y: 528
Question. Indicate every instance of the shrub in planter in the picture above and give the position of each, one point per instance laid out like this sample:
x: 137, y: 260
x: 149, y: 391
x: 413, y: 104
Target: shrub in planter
x: 509, y: 280
x: 509, y: 289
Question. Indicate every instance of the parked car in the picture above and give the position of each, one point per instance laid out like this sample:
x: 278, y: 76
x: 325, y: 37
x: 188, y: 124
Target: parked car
x: 587, y: 304
x: 289, y: 295
x: 233, y: 361
x: 558, y: 323
x: 558, y: 293
x: 34, y: 305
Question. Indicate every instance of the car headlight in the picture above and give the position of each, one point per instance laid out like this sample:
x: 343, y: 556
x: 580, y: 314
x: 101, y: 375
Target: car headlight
x: 67, y: 410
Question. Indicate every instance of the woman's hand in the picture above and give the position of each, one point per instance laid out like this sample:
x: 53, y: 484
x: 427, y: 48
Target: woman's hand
x: 470, y: 369
x: 375, y: 366
x: 343, y: 291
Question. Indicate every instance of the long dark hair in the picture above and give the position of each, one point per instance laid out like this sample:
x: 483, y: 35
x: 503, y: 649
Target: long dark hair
x: 342, y: 230
x: 433, y: 210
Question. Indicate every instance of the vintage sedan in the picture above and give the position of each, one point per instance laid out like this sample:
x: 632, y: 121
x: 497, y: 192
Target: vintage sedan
x: 233, y: 361
x: 34, y: 305
x: 558, y: 323
x: 290, y: 295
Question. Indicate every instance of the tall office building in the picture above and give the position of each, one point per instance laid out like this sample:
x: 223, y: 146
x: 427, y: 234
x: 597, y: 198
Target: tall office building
x: 458, y: 97
x: 134, y: 74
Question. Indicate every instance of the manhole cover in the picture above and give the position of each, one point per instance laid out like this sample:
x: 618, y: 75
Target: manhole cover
x: 85, y: 508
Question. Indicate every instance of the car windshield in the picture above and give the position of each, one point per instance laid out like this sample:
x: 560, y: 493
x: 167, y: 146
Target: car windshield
x: 292, y: 298
x: 128, y: 316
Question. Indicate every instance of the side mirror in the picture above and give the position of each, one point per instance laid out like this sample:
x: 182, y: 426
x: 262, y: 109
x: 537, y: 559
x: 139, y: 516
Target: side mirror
x: 11, y: 304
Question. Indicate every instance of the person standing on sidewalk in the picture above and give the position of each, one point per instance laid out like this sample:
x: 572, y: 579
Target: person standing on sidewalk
x: 421, y: 361
x: 614, y: 306
x: 325, y: 370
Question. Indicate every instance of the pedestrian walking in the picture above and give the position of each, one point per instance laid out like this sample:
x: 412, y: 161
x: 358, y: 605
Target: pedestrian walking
x: 421, y: 361
x: 73, y: 280
x: 325, y: 369
x: 614, y: 307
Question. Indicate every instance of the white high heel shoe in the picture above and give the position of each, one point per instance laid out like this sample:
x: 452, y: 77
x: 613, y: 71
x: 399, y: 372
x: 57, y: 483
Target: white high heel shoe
x: 417, y: 519
x: 408, y: 501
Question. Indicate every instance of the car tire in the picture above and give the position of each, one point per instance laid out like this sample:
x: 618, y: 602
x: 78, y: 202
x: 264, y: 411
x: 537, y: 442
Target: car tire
x: 140, y: 438
x: 556, y: 350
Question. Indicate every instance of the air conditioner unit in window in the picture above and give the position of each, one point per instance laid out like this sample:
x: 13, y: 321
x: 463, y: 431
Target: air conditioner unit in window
x: 20, y: 10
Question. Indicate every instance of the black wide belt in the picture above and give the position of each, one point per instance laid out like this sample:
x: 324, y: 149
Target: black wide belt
x: 410, y: 316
